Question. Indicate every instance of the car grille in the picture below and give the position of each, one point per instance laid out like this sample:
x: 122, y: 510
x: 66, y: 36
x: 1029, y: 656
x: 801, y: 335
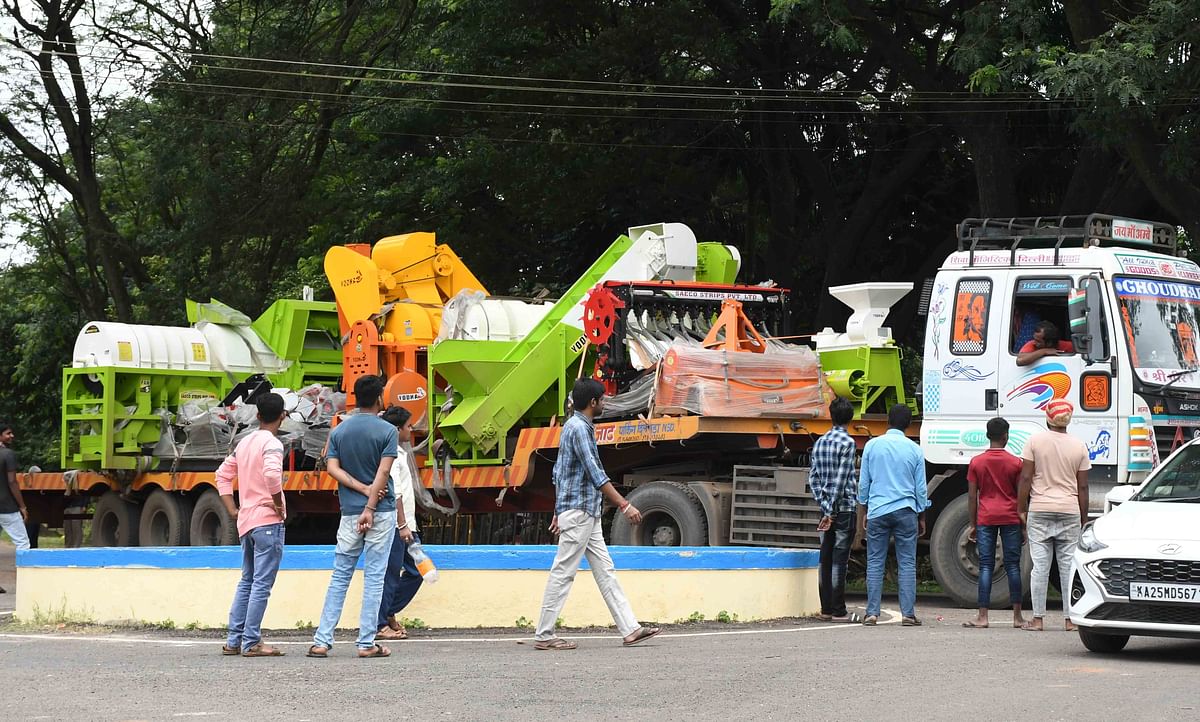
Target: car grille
x: 1120, y: 572
x: 1151, y: 613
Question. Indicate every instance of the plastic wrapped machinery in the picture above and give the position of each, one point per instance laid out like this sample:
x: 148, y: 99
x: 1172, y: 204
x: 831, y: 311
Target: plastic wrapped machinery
x: 781, y: 382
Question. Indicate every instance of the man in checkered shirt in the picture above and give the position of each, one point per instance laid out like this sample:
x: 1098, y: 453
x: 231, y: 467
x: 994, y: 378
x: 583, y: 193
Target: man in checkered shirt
x: 834, y: 485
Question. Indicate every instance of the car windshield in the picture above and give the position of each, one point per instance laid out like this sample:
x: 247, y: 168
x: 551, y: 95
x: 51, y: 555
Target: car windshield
x: 1177, y: 480
x: 1162, y: 325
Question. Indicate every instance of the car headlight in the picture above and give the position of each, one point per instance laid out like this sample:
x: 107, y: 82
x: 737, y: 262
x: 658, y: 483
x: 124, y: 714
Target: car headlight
x: 1088, y: 542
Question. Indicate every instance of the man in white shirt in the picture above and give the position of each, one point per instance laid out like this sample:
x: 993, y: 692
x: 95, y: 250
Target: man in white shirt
x: 402, y: 580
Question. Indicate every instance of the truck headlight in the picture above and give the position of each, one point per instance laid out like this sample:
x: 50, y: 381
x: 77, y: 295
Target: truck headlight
x: 1088, y: 542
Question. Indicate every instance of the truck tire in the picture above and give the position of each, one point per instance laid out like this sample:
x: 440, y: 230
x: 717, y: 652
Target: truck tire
x: 115, y: 522
x: 671, y: 516
x: 211, y: 524
x: 955, y: 560
x: 1103, y: 643
x: 166, y: 520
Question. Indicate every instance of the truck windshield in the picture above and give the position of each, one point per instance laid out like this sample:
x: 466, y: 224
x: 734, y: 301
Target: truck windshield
x: 1162, y: 325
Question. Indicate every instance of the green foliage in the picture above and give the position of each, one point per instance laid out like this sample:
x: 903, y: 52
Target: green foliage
x: 415, y: 623
x: 523, y: 623
x: 725, y: 617
x: 692, y: 618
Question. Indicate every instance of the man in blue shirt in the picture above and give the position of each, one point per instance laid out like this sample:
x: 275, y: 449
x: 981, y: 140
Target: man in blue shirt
x: 361, y: 452
x: 891, y: 504
x: 834, y: 485
x: 580, y: 486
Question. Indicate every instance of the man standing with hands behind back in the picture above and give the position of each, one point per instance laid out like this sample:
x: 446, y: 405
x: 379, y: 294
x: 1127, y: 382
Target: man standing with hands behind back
x: 580, y: 486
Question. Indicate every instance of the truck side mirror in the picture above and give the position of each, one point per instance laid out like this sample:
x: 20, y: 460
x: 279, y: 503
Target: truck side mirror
x: 1085, y: 309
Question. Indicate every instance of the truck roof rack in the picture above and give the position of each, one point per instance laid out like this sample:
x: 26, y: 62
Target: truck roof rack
x: 1013, y: 234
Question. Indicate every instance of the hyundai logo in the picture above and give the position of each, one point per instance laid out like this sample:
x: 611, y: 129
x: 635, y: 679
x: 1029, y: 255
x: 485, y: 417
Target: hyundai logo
x: 1169, y: 549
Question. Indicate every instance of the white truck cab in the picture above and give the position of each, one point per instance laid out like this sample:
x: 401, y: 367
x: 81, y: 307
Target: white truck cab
x: 1127, y: 309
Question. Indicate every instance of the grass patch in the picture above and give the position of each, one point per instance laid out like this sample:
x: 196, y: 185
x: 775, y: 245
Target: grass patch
x: 523, y: 623
x: 60, y: 616
x: 414, y: 623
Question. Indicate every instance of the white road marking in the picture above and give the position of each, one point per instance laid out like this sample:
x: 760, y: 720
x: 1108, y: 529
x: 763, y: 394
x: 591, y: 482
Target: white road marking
x: 893, y: 618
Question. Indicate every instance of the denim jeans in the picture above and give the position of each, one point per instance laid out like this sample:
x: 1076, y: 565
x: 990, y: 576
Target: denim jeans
x: 835, y: 551
x: 373, y: 547
x: 901, y: 525
x: 262, y: 550
x: 985, y: 543
x: 400, y: 582
x: 15, y: 526
x: 1051, y: 534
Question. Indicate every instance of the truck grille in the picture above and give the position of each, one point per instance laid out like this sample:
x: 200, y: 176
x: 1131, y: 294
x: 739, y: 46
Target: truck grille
x: 1150, y: 613
x: 1120, y: 572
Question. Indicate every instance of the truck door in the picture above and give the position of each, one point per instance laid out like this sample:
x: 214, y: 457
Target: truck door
x: 1024, y: 391
x: 965, y: 345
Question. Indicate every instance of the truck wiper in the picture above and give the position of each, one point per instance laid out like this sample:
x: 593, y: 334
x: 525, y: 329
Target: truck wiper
x: 1171, y: 379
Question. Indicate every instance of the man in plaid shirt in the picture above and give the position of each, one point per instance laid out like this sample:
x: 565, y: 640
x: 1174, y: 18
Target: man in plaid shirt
x: 834, y: 485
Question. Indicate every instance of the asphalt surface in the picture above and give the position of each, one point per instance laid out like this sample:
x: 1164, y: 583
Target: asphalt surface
x: 793, y: 669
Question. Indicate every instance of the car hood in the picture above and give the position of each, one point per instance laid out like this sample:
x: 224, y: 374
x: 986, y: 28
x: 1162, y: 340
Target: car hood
x: 1151, y: 520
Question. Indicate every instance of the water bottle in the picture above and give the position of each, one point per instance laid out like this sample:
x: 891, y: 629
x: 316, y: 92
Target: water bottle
x: 424, y: 564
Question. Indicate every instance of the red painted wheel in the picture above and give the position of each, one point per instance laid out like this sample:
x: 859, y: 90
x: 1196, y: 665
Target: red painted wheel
x: 600, y: 315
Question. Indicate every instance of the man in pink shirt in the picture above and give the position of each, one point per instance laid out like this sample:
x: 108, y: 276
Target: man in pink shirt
x: 257, y: 464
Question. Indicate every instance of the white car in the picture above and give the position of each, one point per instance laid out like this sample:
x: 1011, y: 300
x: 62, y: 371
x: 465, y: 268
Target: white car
x: 1137, y: 568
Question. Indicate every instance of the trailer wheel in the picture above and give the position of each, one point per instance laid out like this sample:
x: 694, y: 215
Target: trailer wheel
x: 166, y: 519
x: 211, y: 524
x: 115, y: 522
x: 955, y: 560
x: 671, y: 516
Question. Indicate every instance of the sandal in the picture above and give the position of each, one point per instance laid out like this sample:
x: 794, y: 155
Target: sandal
x: 318, y: 652
x: 851, y: 618
x: 227, y: 651
x: 643, y: 634
x: 554, y: 644
x: 910, y: 622
x: 393, y: 624
x: 262, y: 650
x: 390, y: 634
x: 825, y: 617
x: 870, y: 621
x: 973, y: 625
x: 377, y: 650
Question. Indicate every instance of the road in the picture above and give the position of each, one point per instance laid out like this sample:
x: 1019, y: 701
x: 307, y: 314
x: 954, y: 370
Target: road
x: 797, y: 669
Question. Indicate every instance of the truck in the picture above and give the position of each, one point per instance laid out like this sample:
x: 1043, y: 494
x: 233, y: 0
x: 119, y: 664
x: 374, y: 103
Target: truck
x: 714, y: 405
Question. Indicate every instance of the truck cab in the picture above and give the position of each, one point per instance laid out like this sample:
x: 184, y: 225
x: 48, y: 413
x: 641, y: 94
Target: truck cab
x: 1127, y: 309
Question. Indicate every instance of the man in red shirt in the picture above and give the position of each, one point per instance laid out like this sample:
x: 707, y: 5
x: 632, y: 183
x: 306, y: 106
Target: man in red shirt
x: 993, y: 485
x: 1045, y: 342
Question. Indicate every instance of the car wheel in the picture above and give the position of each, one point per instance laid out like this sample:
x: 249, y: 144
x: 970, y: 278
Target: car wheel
x: 1103, y: 643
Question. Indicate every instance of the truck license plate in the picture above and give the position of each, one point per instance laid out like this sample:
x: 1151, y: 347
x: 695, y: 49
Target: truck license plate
x: 1152, y: 592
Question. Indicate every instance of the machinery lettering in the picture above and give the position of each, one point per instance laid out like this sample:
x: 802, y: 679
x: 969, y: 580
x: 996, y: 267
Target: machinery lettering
x: 356, y: 278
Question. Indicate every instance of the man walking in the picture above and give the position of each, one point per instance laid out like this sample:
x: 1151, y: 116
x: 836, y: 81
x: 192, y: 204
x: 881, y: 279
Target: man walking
x: 891, y: 504
x: 580, y: 485
x: 257, y: 464
x: 834, y: 485
x: 993, y: 483
x: 363, y: 447
x: 402, y: 579
x: 13, y: 513
x: 1053, y: 504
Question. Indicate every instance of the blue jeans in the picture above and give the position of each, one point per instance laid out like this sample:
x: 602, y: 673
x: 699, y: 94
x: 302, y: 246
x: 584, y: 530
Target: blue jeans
x: 901, y: 525
x: 262, y: 550
x: 373, y: 547
x: 835, y: 551
x: 985, y: 543
x: 400, y: 582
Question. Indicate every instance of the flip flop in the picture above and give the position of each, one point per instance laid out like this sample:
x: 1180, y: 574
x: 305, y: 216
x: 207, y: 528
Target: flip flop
x: 392, y: 635
x: 973, y: 625
x: 851, y: 618
x: 556, y: 644
x: 825, y: 617
x: 262, y: 650
x: 643, y: 634
x: 1026, y: 627
x: 312, y: 652
x: 393, y: 624
x: 377, y: 650
x: 910, y: 622
x: 227, y: 651
x: 871, y: 621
